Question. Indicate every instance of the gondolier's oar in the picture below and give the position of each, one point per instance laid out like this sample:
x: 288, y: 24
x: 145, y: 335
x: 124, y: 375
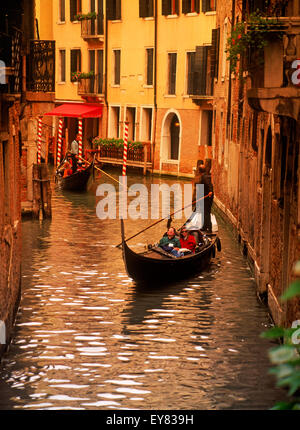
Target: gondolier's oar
x: 162, y: 219
x: 102, y: 171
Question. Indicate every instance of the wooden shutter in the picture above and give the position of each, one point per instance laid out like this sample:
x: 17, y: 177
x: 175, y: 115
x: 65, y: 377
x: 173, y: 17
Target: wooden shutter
x: 92, y: 56
x: 166, y: 7
x: 73, y: 62
x: 62, y: 11
x: 73, y: 9
x: 177, y: 7
x: 118, y: 9
x: 117, y: 66
x: 172, y: 73
x: 205, y: 5
x: 100, y: 70
x: 142, y: 8
x: 62, y: 65
x: 191, y: 61
x: 150, y: 66
x: 200, y: 72
x: 186, y: 6
x: 110, y: 10
x: 215, y: 37
x: 150, y: 10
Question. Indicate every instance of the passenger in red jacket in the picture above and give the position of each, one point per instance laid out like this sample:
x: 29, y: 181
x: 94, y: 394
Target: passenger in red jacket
x: 187, y: 240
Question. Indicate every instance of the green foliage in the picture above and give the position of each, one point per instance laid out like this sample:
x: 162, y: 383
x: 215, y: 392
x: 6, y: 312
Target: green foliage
x: 82, y: 16
x: 286, y: 357
x: 254, y: 33
x: 117, y: 143
x: 77, y: 76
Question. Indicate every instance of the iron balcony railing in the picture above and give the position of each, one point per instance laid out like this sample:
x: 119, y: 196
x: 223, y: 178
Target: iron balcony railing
x: 92, y: 27
x: 41, y: 66
x: 90, y: 86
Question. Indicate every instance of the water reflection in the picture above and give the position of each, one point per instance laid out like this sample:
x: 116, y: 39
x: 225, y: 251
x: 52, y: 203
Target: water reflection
x: 88, y: 337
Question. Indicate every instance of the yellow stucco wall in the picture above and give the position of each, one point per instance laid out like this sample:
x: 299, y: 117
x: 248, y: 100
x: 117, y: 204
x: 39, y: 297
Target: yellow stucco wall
x: 134, y: 34
x: 43, y: 13
x: 67, y: 36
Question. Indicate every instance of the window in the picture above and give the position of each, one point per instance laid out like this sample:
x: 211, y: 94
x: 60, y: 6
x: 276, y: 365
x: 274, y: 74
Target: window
x: 172, y: 62
x: 75, y: 61
x: 96, y: 66
x: 75, y: 9
x: 146, y: 8
x: 197, y: 75
x: 215, y: 41
x: 117, y: 66
x: 62, y: 64
x: 146, y: 128
x: 114, y: 123
x: 209, y: 5
x: 149, y: 61
x: 170, y: 7
x: 190, y: 6
x: 113, y: 9
x: 62, y: 10
x: 174, y: 134
x: 131, y: 118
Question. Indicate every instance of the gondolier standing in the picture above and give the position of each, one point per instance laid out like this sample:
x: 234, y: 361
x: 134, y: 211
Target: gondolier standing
x: 74, y: 153
x: 203, y: 176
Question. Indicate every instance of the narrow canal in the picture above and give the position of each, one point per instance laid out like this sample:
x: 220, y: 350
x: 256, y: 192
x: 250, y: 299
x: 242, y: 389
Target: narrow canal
x: 87, y: 337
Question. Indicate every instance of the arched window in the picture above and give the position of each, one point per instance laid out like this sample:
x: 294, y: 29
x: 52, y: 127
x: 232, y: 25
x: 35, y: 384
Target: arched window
x: 174, y: 142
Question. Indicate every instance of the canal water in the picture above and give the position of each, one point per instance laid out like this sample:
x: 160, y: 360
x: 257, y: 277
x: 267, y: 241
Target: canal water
x: 87, y: 337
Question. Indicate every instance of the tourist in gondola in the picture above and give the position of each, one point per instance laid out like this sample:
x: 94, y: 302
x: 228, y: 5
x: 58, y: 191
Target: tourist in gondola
x: 67, y: 168
x: 187, y: 240
x: 170, y: 243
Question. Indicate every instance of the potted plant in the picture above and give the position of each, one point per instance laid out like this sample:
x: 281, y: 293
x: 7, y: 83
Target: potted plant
x: 85, y: 16
x: 254, y: 33
x: 77, y: 76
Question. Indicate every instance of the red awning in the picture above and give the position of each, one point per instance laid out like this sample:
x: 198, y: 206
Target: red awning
x: 77, y: 110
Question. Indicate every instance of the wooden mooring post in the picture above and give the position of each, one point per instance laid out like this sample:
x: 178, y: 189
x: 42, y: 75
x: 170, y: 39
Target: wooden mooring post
x: 41, y: 205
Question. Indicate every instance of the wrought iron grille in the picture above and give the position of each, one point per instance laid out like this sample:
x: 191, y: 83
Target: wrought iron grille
x: 41, y: 66
x: 92, y: 85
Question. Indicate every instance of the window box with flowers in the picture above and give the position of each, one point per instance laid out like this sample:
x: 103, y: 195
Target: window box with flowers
x: 113, y: 148
x: 77, y: 76
x: 254, y: 34
x: 85, y: 16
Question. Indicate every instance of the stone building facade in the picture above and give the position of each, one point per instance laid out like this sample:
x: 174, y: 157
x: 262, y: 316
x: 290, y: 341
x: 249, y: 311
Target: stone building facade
x: 10, y: 210
x: 256, y: 148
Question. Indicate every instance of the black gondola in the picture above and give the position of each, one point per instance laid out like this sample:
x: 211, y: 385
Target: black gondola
x: 77, y: 181
x: 156, y: 266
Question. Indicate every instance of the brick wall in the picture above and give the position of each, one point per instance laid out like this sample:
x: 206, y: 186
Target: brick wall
x: 10, y: 221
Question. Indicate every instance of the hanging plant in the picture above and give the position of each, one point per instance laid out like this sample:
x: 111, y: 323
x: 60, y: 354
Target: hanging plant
x: 85, y: 16
x: 254, y: 33
x: 77, y: 76
x: 116, y: 143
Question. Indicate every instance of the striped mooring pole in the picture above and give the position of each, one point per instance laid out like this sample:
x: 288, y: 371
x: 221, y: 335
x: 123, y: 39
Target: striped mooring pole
x: 125, y: 149
x: 39, y: 139
x: 80, y: 137
x: 59, y: 140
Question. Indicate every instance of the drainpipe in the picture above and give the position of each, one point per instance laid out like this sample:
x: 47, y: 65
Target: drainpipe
x: 106, y: 67
x: 155, y: 81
